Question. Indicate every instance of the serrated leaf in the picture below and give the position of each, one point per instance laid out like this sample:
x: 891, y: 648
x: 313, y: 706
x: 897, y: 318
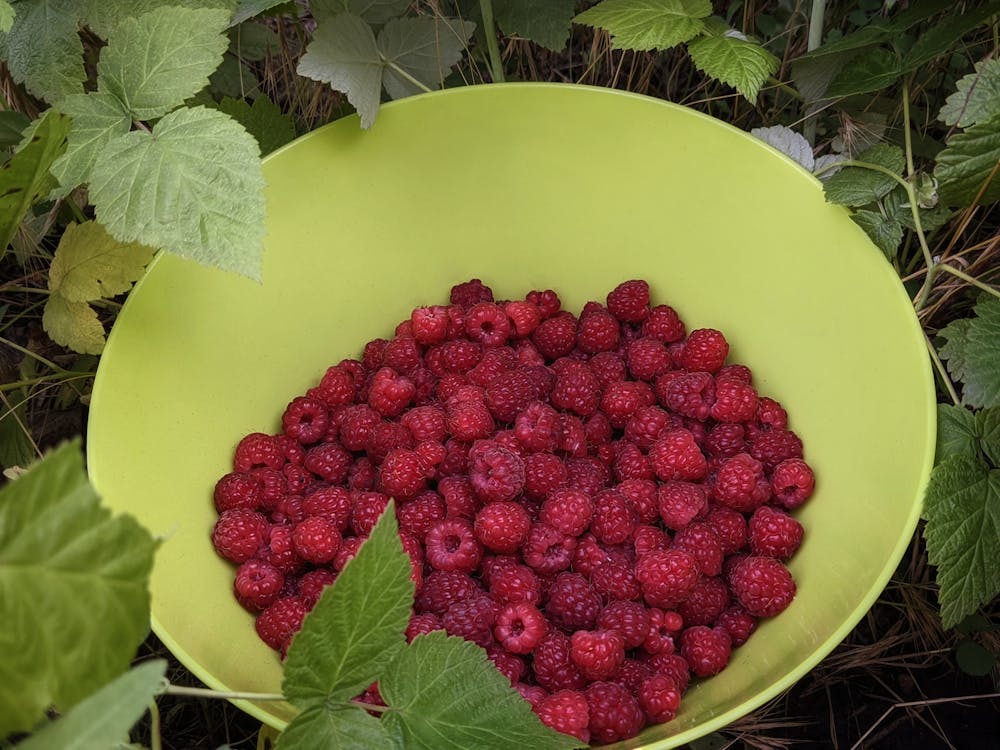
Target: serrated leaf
x: 967, y: 162
x: 827, y: 160
x: 253, y: 41
x: 16, y: 448
x: 648, y: 24
x: 546, y: 24
x: 962, y: 508
x: 25, y: 178
x: 956, y: 432
x: 12, y: 127
x: 973, y: 659
x: 375, y: 12
x: 6, y: 16
x: 90, y: 264
x: 859, y: 186
x: 74, y: 325
x: 357, y: 626
x: 43, y: 50
x: 988, y: 430
x: 870, y: 71
x: 234, y: 78
x: 247, y: 9
x: 97, y: 118
x: 741, y: 64
x: 75, y: 602
x: 154, y: 62
x: 443, y: 694
x: 103, y: 16
x: 885, y: 232
x: 192, y: 187
x: 973, y: 354
x: 930, y: 218
x: 264, y: 121
x: 102, y: 719
x: 788, y: 142
x: 977, y: 98
x: 861, y: 39
x: 940, y: 38
x: 424, y: 48
x: 342, y: 726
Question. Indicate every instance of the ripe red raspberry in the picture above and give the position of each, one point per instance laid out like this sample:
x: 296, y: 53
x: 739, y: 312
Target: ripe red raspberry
x: 288, y: 510
x: 495, y: 472
x: 597, y: 332
x: 739, y: 373
x: 664, y: 628
x: 771, y: 414
x: 538, y: 428
x: 614, y: 517
x: 337, y: 387
x: 734, y: 401
x: 774, y: 533
x: 518, y: 583
x: 547, y: 301
x: 432, y: 454
x: 305, y: 419
x: 390, y: 393
x: 543, y: 473
x: 690, y: 395
x: 429, y: 324
x: 705, y: 649
x: 451, y: 545
x: 740, y: 484
x: 470, y: 420
x: 459, y: 500
x: 577, y: 390
x: 239, y: 533
x: 442, y: 588
x: 762, y: 585
x: 725, y: 440
x: 622, y: 399
x: 257, y: 451
x: 332, y: 502
x: 508, y: 664
x: 700, y: 540
x: 502, y: 526
x: 455, y: 357
x: 647, y: 358
x: 705, y: 350
x: 664, y: 324
x: 273, y: 485
x: 488, y: 324
x: 257, y: 585
x: 631, y: 675
x: 553, y: 668
x: 588, y: 555
x: 312, y: 584
x: 509, y: 393
x: 614, y: 713
x: 731, y: 528
x: 416, y: 516
x: 566, y: 711
x: 616, y: 579
x: 520, y: 627
x: 470, y: 292
x: 609, y: 367
x: 556, y: 336
x: 771, y: 447
x: 628, y: 618
x: 629, y: 301
x: 328, y: 461
x: 706, y: 602
x: 739, y: 623
x: 677, y: 456
x: 666, y: 577
x: 597, y: 654
x: 356, y: 425
x: 673, y: 667
x: 366, y: 509
x: 472, y: 619
x: 659, y: 698
x: 531, y: 693
x: 524, y: 317
x: 402, y: 354
x: 572, y: 602
x: 349, y: 547
x: 548, y: 550
x: 361, y: 475
x: 278, y: 623
x: 569, y: 511
x: 647, y: 425
x: 792, y: 481
x: 316, y: 539
x: 371, y: 357
x: 648, y: 538
x: 403, y: 473
x: 237, y: 490
x: 422, y: 624
x: 426, y: 423
x: 300, y: 480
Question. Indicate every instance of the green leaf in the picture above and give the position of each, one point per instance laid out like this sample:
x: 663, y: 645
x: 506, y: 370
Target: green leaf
x: 743, y: 65
x: 97, y: 118
x: 253, y: 41
x: 375, y: 12
x: 192, y: 187
x: 885, y: 232
x: 103, y: 16
x: 956, y: 432
x: 6, y: 16
x: 444, y: 694
x: 973, y: 659
x: 234, y: 78
x: 967, y: 162
x: 12, y: 127
x: 342, y: 726
x: 250, y: 8
x: 16, y: 448
x: 424, y: 49
x: 940, y: 38
x: 973, y: 354
x: 263, y: 121
x: 73, y: 324
x: 870, y: 71
x: 977, y: 98
x: 90, y: 264
x: 859, y: 186
x: 962, y: 508
x: 43, y: 50
x: 988, y: 429
x: 357, y: 625
x: 102, y: 719
x: 648, y: 24
x: 858, y: 40
x: 546, y: 24
x: 154, y: 62
x: 813, y: 75
x: 25, y: 178
x: 75, y: 602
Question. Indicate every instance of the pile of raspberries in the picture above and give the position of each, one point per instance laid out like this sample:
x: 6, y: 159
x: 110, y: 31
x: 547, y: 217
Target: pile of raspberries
x: 599, y: 501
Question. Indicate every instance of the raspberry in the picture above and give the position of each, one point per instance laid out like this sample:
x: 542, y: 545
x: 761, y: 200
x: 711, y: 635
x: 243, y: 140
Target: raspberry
x: 236, y: 490
x: 538, y: 428
x: 432, y: 454
x: 659, y: 698
x: 608, y: 367
x: 556, y: 336
x: 451, y: 545
x: 426, y: 423
x: 664, y: 324
x: 488, y: 324
x: 531, y: 693
x: 705, y: 649
x: 614, y: 713
x: 337, y: 387
x: 470, y: 292
x: 771, y: 414
x: 629, y: 301
x: 706, y: 602
x: 257, y: 585
x: 361, y: 475
x: 576, y: 389
x: 666, y: 577
x: 520, y: 627
x: 472, y: 619
x: 792, y: 481
x: 597, y: 332
x: 725, y: 440
x: 647, y: 538
x: 332, y: 502
x: 403, y: 473
x: 647, y: 425
x: 663, y: 628
x: 390, y: 392
x: 673, y: 667
x: 547, y: 550
x: 299, y: 480
x: 422, y: 625
x: 328, y: 461
x: 774, y: 533
x: 518, y: 583
x: 730, y: 527
x: 349, y: 547
x: 502, y: 526
x: 278, y: 623
x: 553, y: 668
x: 705, y: 350
x: 771, y: 447
x: 597, y: 654
x: 614, y: 517
x: 569, y: 511
x: 701, y: 541
x: 470, y: 420
x: 371, y: 357
x: 366, y: 509
x: 629, y: 463
x: 588, y: 555
x: 628, y: 618
x: 566, y: 711
x: 676, y: 456
x: 239, y: 533
x: 690, y: 395
x: 647, y: 358
x: 430, y: 324
x: 574, y: 442
x: 734, y: 401
x: 316, y: 539
x: 356, y: 425
x: 631, y: 675
x: 510, y: 393
x: 459, y: 500
x: 442, y: 588
x: 416, y: 516
x: 456, y: 357
x: 543, y: 473
x: 273, y: 485
x: 288, y: 510
x: 312, y: 584
x: 524, y: 318
x: 572, y: 602
x: 762, y: 585
x: 402, y: 354
x: 740, y: 484
x: 615, y: 580
x: 622, y: 399
x: 547, y: 301
x: 642, y: 495
x: 257, y: 451
x: 508, y: 664
x: 739, y: 623
x: 495, y: 472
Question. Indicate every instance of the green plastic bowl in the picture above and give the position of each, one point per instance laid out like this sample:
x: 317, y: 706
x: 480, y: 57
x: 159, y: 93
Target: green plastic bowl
x: 526, y: 186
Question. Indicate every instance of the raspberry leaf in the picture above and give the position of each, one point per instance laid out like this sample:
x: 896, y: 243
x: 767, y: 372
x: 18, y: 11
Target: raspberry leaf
x: 357, y: 626
x: 648, y: 24
x: 103, y: 16
x: 420, y: 48
x: 97, y: 118
x: 337, y: 725
x: 373, y: 11
x: 940, y: 38
x: 788, y: 142
x: 6, y: 16
x: 102, y: 719
x: 870, y: 71
x: 250, y: 8
x: 444, y: 693
x: 742, y: 64
x: 264, y: 121
x: 977, y: 98
x: 973, y: 354
x: 546, y: 24
x: 962, y: 508
x: 968, y: 162
x: 75, y: 602
x: 956, y: 432
x: 90, y: 264
x: 988, y: 429
x: 885, y: 231
x: 73, y: 324
x: 43, y: 50
x: 858, y: 186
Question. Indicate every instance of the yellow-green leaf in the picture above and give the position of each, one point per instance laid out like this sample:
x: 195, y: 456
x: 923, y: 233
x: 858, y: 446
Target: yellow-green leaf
x: 648, y: 24
x: 90, y: 264
x: 73, y: 324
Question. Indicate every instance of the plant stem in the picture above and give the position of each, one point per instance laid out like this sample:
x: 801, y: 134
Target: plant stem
x: 407, y: 76
x: 154, y: 731
x: 371, y: 707
x: 29, y: 353
x: 967, y: 279
x: 65, y: 375
x: 906, y: 127
x: 816, y: 15
x: 220, y: 694
x: 942, y: 372
x: 490, y: 29
x: 25, y: 289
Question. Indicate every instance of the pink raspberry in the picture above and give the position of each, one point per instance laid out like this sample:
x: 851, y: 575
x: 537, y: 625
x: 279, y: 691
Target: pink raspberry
x: 614, y: 517
x: 429, y: 324
x: 390, y: 392
x: 472, y: 619
x: 332, y: 502
x: 548, y: 550
x: 677, y: 456
x: 647, y: 358
x: 502, y: 526
x: 520, y: 627
x: 367, y: 508
x: 614, y: 713
x: 622, y: 399
x: 238, y: 490
x: 312, y: 585
x: 664, y: 324
x: 422, y: 625
x: 659, y: 698
x: 403, y: 473
x: 572, y: 602
x: 691, y: 394
x: 258, y: 451
x: 316, y: 539
x: 740, y: 484
x: 664, y: 627
x: 569, y: 511
x: 442, y: 588
x: 701, y: 541
x: 706, y: 602
x: 762, y: 585
x: 279, y: 622
x: 771, y: 447
x: 538, y: 428
x: 774, y: 533
x: 792, y: 482
x: 667, y: 577
x: 543, y: 473
x: 628, y: 618
x: 517, y: 583
x: 731, y: 528
x: 239, y: 533
x: 725, y: 440
x: 576, y: 389
x: 495, y: 472
x: 566, y: 711
x: 470, y: 420
x: 739, y: 623
x: 451, y: 545
x: 597, y: 654
x: 597, y: 332
x: 257, y: 585
x: 556, y: 336
x: 705, y: 649
x: 735, y: 401
x: 642, y: 494
x: 553, y: 668
x: 705, y: 350
x: 629, y: 301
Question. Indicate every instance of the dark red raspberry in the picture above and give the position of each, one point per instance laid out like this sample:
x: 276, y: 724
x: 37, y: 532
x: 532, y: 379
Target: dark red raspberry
x: 470, y: 420
x: 239, y: 533
x: 416, y: 516
x: 573, y: 604
x: 316, y: 539
x: 566, y: 711
x: 538, y: 428
x: 273, y: 485
x: 366, y: 509
x: 337, y: 387
x: 553, y: 668
x: 774, y: 533
x: 403, y: 473
x: 629, y: 618
x: 673, y: 667
x: 705, y: 350
x: 574, y: 442
x: 740, y: 484
x: 356, y: 425
x: 300, y: 480
x: 647, y: 425
x: 502, y: 526
x: 548, y: 550
x: 690, y: 395
x: 257, y: 585
x: 597, y: 332
x: 278, y: 623
x: 288, y: 510
x: 614, y: 517
x: 402, y: 354
x: 598, y: 654
x: 629, y: 301
x: 329, y: 461
x: 762, y: 585
x: 576, y: 389
x: 739, y: 623
x: 609, y: 367
x: 632, y: 674
x: 531, y: 693
x: 588, y: 555
x: 390, y: 392
x: 569, y: 511
x: 237, y: 490
x: 731, y: 528
x: 771, y: 447
x: 451, y: 545
x: 771, y: 414
x: 332, y: 502
x: 792, y: 482
x: 422, y: 625
x: 429, y: 324
x: 706, y: 602
x: 518, y: 583
x: 614, y: 713
x: 664, y: 324
x: 734, y: 401
x: 348, y: 549
x: 520, y: 627
x: 312, y: 584
x: 622, y: 399
x: 705, y: 649
x: 524, y: 317
x: 700, y: 540
x: 442, y: 588
x: 508, y: 664
x: 666, y: 577
x: 510, y: 393
x: 455, y: 357
x: 547, y: 301
x: 470, y: 292
x: 616, y: 580
x: 648, y: 538
x: 459, y: 500
x: 556, y: 336
x: 664, y: 628
x: 629, y: 462
x: 659, y: 698
x: 725, y: 440
x: 677, y: 456
x: 371, y: 357
x: 258, y: 451
x: 488, y: 324
x: 426, y: 423
x: 361, y: 475
x: 472, y: 619
x: 642, y: 496
x: 543, y: 473
x: 647, y: 358
x: 495, y: 472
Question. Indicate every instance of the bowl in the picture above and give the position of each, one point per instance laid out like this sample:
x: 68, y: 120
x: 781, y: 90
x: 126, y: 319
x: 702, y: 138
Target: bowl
x: 526, y: 186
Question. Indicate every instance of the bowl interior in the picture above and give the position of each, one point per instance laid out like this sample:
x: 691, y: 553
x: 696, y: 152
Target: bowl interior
x: 526, y: 186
